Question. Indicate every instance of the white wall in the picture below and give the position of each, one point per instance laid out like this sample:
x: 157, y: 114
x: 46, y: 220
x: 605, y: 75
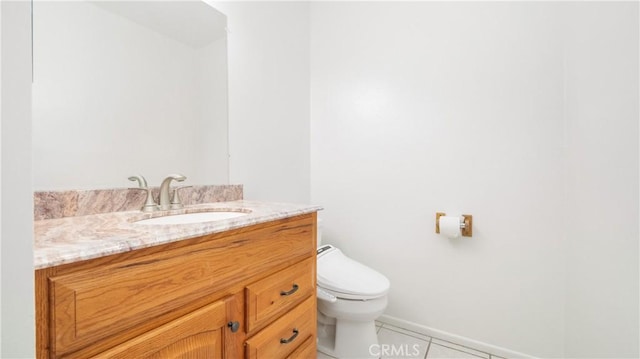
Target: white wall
x: 602, y: 180
x: 17, y: 289
x: 113, y: 98
x: 460, y: 107
x: 269, y: 98
x: 214, y: 104
x: 0, y: 177
x: 426, y: 107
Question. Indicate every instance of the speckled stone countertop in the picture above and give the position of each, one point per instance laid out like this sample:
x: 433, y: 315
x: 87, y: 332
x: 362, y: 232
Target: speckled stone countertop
x: 72, y: 239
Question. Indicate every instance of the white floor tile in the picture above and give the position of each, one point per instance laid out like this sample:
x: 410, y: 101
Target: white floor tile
x: 324, y: 356
x: 437, y: 351
x: 401, y: 343
x: 475, y: 353
x: 394, y: 344
x: 407, y: 332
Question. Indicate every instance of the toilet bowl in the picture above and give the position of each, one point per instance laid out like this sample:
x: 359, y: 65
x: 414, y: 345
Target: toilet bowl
x: 350, y: 297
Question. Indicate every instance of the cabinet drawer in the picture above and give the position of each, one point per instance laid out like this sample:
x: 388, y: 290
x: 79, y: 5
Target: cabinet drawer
x: 119, y: 299
x: 286, y: 334
x: 272, y: 296
x: 306, y: 350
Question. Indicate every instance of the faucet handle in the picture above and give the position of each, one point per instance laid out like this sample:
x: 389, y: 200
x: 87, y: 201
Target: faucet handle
x: 142, y: 182
x: 175, y: 198
x: 149, y: 204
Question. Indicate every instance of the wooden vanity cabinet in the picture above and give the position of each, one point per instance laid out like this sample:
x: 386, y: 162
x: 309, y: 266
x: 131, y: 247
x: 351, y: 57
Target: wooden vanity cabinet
x: 248, y: 292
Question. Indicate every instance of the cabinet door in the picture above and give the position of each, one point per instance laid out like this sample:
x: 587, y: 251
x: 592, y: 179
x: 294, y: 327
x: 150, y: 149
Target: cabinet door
x: 199, y: 334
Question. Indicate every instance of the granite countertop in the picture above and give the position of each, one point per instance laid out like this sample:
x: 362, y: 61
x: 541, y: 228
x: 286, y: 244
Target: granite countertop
x: 72, y: 239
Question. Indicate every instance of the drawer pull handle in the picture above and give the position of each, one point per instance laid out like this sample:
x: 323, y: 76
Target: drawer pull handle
x: 293, y: 337
x: 234, y: 326
x: 293, y: 290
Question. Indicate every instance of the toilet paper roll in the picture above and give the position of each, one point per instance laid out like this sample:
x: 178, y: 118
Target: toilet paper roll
x: 450, y: 226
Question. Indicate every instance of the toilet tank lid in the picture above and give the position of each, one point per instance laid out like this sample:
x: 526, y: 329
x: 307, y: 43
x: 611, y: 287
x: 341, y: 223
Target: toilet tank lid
x: 340, y: 273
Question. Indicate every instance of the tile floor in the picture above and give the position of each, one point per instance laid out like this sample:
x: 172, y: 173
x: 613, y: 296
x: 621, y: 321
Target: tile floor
x: 402, y: 343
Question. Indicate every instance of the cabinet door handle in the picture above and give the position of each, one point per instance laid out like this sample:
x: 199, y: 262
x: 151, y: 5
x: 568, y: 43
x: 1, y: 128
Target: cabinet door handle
x: 293, y: 290
x: 234, y: 326
x: 292, y: 338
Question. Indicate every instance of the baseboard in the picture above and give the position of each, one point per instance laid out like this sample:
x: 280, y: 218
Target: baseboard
x: 454, y: 338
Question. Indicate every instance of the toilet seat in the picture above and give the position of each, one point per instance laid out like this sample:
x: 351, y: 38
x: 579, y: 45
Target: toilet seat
x: 345, y: 278
x: 348, y: 296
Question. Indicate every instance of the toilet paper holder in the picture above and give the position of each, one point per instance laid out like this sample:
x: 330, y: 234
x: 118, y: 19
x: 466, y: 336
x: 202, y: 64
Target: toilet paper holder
x: 466, y: 224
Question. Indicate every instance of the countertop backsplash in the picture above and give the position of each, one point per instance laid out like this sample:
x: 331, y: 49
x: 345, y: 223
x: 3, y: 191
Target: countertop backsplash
x: 72, y: 203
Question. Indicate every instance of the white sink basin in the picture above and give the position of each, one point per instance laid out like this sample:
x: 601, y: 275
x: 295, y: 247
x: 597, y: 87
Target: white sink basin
x: 190, y: 218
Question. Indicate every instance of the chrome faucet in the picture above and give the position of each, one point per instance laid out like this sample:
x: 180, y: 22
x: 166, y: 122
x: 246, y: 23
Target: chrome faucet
x: 149, y: 204
x: 164, y: 198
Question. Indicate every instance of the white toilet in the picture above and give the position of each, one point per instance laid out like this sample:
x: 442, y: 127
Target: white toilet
x: 350, y: 297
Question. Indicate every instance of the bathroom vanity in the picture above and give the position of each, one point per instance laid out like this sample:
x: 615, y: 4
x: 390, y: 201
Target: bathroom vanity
x: 235, y: 288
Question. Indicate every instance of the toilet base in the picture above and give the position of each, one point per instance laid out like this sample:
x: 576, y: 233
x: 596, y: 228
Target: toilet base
x: 348, y: 339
